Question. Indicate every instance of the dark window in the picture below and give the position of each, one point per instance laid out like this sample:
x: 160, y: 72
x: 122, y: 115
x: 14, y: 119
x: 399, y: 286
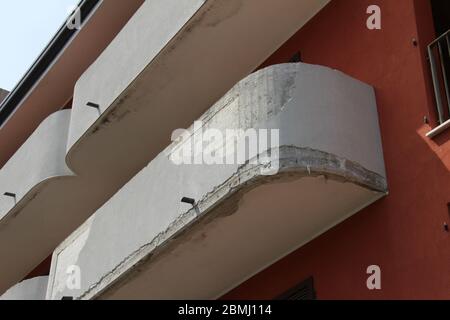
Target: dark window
x: 303, y: 291
x: 441, y: 16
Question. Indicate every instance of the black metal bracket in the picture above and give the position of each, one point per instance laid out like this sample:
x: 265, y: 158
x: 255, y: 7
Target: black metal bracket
x: 95, y: 106
x: 188, y: 201
x: 11, y: 195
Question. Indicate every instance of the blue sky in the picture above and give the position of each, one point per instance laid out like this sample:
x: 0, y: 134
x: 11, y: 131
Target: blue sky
x: 26, y: 27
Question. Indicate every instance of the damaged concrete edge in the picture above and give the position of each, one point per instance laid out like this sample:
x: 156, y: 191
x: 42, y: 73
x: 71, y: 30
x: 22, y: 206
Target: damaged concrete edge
x: 295, y: 163
x: 291, y: 71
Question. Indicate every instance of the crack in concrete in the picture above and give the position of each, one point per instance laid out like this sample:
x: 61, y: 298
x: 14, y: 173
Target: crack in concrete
x: 223, y: 200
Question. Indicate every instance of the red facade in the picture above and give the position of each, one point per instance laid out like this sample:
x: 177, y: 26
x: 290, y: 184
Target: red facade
x: 402, y: 233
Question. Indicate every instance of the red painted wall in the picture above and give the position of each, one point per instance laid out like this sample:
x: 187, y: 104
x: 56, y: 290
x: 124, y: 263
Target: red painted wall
x: 402, y: 233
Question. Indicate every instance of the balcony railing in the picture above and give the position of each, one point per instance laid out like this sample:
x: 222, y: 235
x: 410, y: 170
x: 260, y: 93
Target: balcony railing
x: 439, y: 55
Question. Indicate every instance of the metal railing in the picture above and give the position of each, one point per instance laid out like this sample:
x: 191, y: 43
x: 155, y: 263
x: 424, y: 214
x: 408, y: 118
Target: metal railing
x: 439, y: 56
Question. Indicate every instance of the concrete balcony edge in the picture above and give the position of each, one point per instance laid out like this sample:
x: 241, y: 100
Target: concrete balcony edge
x: 30, y: 289
x: 31, y: 175
x: 106, y: 179
x: 48, y: 166
x: 121, y: 107
x: 295, y: 163
x: 289, y: 94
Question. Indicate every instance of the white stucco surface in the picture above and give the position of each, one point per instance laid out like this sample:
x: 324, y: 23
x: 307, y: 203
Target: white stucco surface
x: 40, y: 158
x: 139, y: 42
x: 31, y: 289
x: 172, y: 61
x: 157, y: 75
x: 328, y: 128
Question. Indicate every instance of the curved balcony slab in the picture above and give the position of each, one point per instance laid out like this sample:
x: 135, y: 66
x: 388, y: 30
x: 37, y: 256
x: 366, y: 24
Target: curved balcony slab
x: 139, y: 83
x: 41, y: 201
x: 38, y: 160
x: 154, y: 70
x: 27, y: 182
x: 31, y: 289
x: 146, y: 244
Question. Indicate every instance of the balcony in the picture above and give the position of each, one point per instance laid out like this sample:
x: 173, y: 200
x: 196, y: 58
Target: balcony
x: 27, y: 184
x: 123, y: 113
x: 236, y: 218
x: 31, y: 289
x: 157, y: 76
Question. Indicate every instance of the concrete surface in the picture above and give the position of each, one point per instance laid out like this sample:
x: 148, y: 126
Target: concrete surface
x: 32, y: 222
x: 151, y: 71
x: 55, y: 88
x: 178, y: 70
x: 145, y: 243
x: 31, y: 289
x: 41, y: 158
